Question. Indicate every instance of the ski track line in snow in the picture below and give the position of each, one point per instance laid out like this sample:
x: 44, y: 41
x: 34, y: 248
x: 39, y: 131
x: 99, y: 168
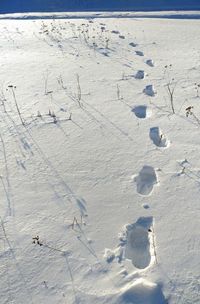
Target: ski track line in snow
x: 52, y: 168
x: 90, y: 115
x: 7, y: 195
x: 45, y: 159
x: 17, y: 265
x: 122, y: 132
x: 52, y: 185
x: 16, y: 140
x: 88, y: 246
x: 7, y: 188
x: 6, y: 185
x: 20, y: 142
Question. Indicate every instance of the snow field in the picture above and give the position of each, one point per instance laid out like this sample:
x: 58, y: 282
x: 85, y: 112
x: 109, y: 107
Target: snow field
x: 89, y: 143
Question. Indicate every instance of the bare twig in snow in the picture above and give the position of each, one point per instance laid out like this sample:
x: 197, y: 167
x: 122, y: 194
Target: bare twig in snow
x: 16, y: 104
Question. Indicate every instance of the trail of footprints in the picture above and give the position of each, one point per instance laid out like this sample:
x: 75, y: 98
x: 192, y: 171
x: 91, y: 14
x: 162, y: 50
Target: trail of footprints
x: 137, y: 240
x: 147, y: 177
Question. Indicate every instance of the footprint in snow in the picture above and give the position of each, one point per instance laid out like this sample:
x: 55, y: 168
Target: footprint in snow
x: 115, y: 32
x: 140, y: 74
x: 121, y: 37
x: 158, y: 138
x: 145, y: 180
x: 133, y: 44
x: 139, y: 53
x: 150, y: 63
x: 142, y: 111
x: 149, y: 90
x: 139, y: 242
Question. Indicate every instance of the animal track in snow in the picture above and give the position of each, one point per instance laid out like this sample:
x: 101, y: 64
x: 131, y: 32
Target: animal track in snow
x: 158, y: 138
x: 150, y: 62
x: 149, y: 90
x: 141, y: 111
x: 139, y: 53
x: 146, y: 180
x: 138, y: 244
x: 140, y: 74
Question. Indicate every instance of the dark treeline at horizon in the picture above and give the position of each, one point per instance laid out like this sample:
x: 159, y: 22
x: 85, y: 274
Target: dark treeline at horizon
x: 20, y: 6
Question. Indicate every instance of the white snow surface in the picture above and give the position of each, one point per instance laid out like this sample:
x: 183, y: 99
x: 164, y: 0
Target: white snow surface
x: 100, y: 199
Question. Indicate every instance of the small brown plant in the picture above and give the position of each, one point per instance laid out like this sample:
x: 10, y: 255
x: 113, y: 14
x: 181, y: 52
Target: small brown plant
x: 189, y: 111
x: 36, y: 240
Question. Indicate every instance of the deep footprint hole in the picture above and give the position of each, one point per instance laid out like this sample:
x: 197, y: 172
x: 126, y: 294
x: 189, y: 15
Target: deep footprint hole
x: 146, y: 180
x: 138, y: 243
x: 149, y: 90
x: 140, y: 74
x: 141, y: 111
x: 158, y: 138
x: 139, y: 53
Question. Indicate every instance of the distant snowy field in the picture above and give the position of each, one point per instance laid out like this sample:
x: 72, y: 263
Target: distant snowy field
x: 99, y: 180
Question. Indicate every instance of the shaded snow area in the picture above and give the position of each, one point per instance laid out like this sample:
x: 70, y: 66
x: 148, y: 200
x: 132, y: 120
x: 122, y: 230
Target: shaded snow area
x: 99, y: 159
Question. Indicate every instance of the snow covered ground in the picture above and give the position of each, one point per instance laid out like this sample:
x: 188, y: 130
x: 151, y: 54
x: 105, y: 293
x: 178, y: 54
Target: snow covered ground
x: 99, y: 180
